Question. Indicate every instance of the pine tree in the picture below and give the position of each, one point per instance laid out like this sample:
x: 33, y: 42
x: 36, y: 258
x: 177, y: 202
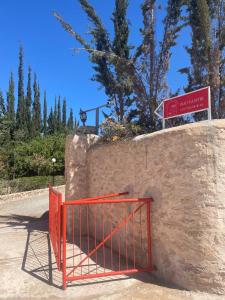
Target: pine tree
x: 20, y: 105
x: 64, y: 114
x: 28, y: 103
x: 70, y: 122
x: 11, y: 100
x: 59, y: 117
x: 45, y: 114
x: 36, y: 108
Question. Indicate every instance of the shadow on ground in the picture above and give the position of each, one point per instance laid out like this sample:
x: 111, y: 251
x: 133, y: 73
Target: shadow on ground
x: 39, y: 262
x: 37, y: 259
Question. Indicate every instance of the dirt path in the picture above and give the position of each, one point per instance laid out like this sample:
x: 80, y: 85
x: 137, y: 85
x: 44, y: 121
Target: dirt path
x: 28, y: 269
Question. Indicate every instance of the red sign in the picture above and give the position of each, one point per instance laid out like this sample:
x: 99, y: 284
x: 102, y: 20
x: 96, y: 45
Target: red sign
x: 188, y: 103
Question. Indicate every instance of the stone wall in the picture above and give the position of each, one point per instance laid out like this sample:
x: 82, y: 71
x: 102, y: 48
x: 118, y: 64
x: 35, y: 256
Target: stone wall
x: 183, y: 169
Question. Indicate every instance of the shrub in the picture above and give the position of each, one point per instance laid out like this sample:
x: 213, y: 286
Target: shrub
x: 33, y: 158
x: 28, y: 183
x: 112, y: 131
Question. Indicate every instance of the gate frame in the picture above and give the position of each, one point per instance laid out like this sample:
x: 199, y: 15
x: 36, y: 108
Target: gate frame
x: 61, y: 225
x: 92, y: 201
x: 55, y: 223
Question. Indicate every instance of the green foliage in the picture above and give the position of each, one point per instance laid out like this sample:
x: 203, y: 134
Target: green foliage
x: 5, y: 126
x: 45, y: 113
x: 34, y: 157
x: 2, y: 105
x: 59, y: 116
x: 11, y: 100
x: 51, y: 122
x: 36, y: 108
x: 20, y: 106
x: 28, y: 183
x: 132, y: 80
x: 122, y: 89
x: 64, y: 114
x: 111, y: 75
x: 70, y: 124
x: 152, y: 57
x: 26, y: 144
x: 5, y: 135
x: 121, y: 29
x: 55, y: 119
x: 113, y: 131
x: 207, y: 52
x: 27, y: 108
x: 27, y: 122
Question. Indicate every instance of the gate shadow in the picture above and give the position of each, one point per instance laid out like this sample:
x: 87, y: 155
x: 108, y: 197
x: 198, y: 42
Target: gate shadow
x: 37, y: 259
x: 100, y: 262
x: 79, y: 247
x: 103, y: 261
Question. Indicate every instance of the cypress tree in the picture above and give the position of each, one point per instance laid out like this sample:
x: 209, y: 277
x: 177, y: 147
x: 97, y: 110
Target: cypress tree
x: 140, y: 77
x: 36, y: 108
x: 2, y: 105
x: 55, y: 116
x: 70, y: 121
x: 28, y: 103
x: 45, y: 114
x: 121, y: 28
x: 39, y: 110
x: 76, y: 125
x: 51, y: 128
x: 20, y: 105
x: 64, y: 114
x: 121, y: 48
x: 59, y: 118
x: 199, y: 51
x: 153, y: 60
x: 11, y: 100
x: 5, y: 137
x: 207, y: 52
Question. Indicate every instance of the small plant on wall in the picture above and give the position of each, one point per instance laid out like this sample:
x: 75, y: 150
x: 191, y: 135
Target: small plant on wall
x: 111, y: 131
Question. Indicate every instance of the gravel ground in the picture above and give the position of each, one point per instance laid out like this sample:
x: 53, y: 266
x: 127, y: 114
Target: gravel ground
x: 28, y: 269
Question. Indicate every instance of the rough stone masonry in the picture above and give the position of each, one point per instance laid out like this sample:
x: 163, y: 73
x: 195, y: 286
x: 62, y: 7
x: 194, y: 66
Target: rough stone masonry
x: 183, y: 169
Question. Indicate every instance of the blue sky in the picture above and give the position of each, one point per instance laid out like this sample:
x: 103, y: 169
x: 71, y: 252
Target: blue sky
x: 48, y: 48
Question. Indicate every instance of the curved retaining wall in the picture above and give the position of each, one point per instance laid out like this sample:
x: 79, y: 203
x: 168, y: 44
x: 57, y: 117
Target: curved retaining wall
x: 183, y: 169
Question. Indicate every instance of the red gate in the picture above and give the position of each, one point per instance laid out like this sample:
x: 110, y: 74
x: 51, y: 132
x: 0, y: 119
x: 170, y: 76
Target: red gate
x: 102, y: 237
x: 55, y: 210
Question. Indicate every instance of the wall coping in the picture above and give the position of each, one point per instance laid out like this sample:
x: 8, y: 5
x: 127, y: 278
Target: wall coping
x: 218, y: 123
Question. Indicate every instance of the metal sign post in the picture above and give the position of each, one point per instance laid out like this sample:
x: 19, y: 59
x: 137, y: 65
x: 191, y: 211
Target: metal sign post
x: 196, y: 101
x: 209, y: 109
